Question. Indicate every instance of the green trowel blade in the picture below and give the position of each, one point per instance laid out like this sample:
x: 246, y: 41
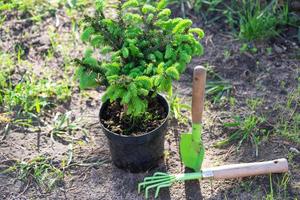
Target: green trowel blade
x: 192, y: 149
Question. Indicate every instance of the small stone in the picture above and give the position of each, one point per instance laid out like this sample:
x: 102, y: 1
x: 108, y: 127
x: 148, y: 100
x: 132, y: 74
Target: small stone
x: 18, y: 184
x: 277, y: 64
x: 278, y: 49
x: 294, y: 150
x: 44, y: 40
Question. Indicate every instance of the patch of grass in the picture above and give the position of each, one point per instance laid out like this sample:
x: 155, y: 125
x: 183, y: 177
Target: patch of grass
x: 22, y: 103
x: 278, y: 187
x: 247, y: 129
x: 37, y: 9
x: 39, y: 170
x: 290, y: 129
x: 32, y: 9
x: 250, y: 19
x: 6, y: 69
x: 258, y: 22
x: 31, y: 95
x: 78, y: 4
x: 204, y: 7
x: 24, y: 95
x: 288, y: 124
x: 200, y: 7
x: 274, y: 187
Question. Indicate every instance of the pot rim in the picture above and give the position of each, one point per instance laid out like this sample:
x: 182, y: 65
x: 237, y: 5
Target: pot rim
x: 144, y: 134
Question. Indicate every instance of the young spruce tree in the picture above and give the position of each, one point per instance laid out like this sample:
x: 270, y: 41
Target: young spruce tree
x: 138, y: 54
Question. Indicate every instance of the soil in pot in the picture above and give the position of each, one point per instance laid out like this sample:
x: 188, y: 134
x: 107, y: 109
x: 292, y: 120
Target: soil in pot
x: 135, y: 146
x: 115, y: 120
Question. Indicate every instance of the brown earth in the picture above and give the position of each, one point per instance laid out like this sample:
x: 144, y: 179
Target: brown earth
x: 251, y: 75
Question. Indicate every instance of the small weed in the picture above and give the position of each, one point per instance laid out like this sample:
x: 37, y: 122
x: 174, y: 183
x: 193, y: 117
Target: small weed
x: 210, y: 71
x: 226, y: 54
x: 39, y: 170
x: 269, y: 50
x: 270, y: 196
x: 254, y: 103
x: 278, y: 187
x: 78, y: 4
x: 6, y: 68
x: 229, y: 17
x: 243, y: 130
x: 232, y: 102
x: 6, y: 63
x: 8, y: 121
x: 209, y: 5
x: 248, y: 48
x: 2, y: 20
x: 77, y: 9
x: 244, y: 48
x: 177, y: 108
x: 63, y: 127
x: 53, y: 38
x: 200, y: 7
x: 205, y: 7
x: 216, y: 88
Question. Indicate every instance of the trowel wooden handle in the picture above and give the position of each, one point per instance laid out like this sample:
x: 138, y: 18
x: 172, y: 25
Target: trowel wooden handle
x: 199, y: 79
x: 249, y: 169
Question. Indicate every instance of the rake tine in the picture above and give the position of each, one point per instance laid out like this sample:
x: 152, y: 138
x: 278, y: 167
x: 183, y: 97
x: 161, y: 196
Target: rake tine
x: 154, y: 178
x: 161, y: 186
x: 157, y: 180
x: 153, y: 186
x: 160, y: 174
x: 145, y: 183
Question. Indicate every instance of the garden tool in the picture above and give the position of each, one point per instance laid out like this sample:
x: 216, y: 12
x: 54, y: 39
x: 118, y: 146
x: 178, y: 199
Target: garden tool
x: 160, y: 180
x: 191, y: 145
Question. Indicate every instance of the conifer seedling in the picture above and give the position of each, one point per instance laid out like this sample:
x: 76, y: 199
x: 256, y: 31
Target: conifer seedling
x: 138, y: 54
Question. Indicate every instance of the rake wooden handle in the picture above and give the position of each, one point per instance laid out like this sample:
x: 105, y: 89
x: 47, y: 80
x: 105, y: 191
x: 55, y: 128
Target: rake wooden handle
x: 199, y: 79
x: 248, y: 169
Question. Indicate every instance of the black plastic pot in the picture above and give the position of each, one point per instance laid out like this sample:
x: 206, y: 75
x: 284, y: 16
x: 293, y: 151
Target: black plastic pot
x: 137, y: 153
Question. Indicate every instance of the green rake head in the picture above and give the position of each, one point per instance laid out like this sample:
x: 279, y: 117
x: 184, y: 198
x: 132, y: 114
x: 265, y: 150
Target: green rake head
x: 158, y: 180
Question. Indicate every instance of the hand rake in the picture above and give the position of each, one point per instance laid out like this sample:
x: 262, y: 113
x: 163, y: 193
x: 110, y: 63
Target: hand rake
x: 160, y: 180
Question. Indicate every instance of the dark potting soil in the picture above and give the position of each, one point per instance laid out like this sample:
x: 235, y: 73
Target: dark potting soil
x: 118, y: 122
